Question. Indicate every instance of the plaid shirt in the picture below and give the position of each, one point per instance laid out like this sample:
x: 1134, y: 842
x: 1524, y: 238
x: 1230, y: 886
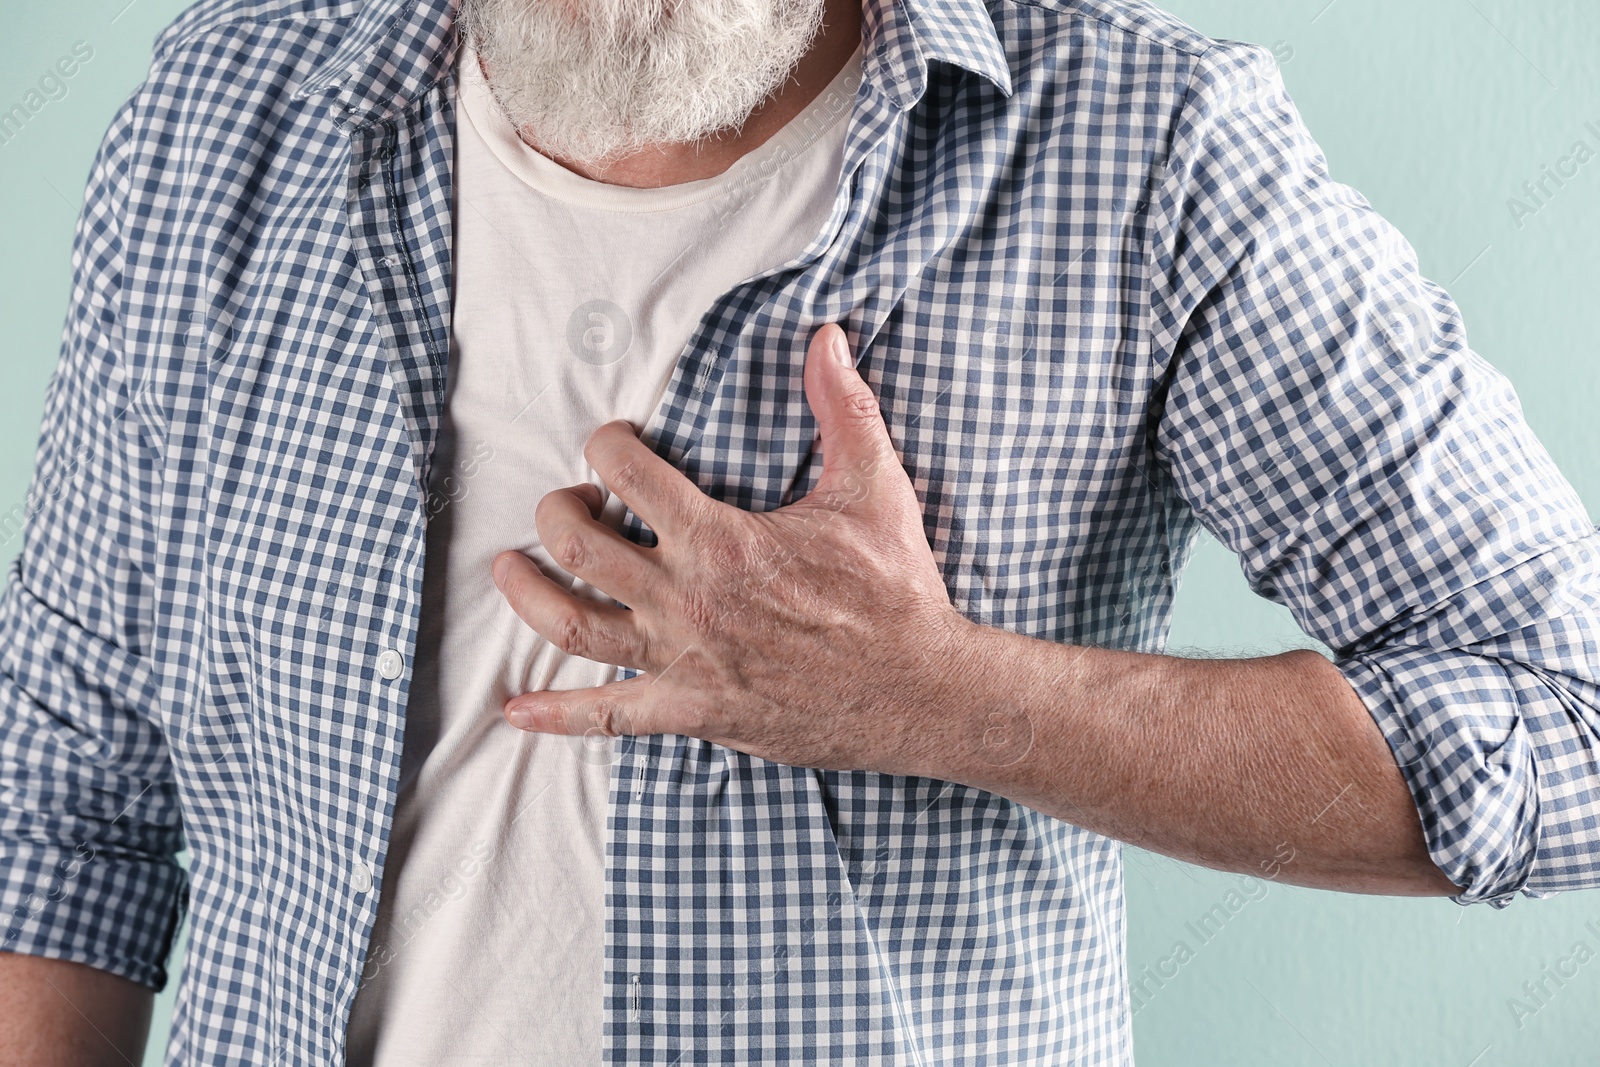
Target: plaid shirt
x: 1107, y: 294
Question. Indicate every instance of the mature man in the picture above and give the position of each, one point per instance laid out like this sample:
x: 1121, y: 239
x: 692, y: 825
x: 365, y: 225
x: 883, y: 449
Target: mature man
x: 808, y: 408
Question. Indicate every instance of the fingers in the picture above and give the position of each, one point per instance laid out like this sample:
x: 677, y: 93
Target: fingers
x: 626, y: 707
x: 604, y: 633
x: 657, y: 491
x: 568, y: 526
x: 855, y: 441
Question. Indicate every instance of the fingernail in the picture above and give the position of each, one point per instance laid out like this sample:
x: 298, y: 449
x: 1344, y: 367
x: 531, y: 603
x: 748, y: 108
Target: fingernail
x: 841, y: 349
x: 520, y: 717
x: 501, y: 566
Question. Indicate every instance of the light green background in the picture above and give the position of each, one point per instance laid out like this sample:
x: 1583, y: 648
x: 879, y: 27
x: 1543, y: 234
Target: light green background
x: 1437, y: 110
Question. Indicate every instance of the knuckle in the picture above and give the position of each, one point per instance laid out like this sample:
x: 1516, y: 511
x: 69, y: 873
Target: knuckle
x: 607, y: 718
x: 861, y: 405
x: 570, y: 551
x: 626, y: 478
x: 574, y: 635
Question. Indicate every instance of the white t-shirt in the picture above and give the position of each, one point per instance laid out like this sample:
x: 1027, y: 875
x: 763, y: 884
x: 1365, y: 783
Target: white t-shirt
x: 573, y: 300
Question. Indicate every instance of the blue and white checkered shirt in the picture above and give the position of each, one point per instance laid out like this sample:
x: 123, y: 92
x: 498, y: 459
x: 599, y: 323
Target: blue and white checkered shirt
x: 1107, y: 295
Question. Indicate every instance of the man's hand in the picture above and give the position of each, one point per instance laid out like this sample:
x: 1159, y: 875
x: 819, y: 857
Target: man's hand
x: 821, y: 635
x: 801, y: 635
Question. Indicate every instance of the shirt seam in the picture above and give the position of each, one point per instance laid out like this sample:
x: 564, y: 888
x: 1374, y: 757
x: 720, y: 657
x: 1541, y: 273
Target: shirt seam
x: 167, y: 51
x: 1139, y: 32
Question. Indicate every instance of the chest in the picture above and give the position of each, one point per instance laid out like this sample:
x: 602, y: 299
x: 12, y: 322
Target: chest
x: 994, y: 302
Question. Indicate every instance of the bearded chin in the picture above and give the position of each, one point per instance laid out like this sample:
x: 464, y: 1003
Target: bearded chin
x: 593, y: 80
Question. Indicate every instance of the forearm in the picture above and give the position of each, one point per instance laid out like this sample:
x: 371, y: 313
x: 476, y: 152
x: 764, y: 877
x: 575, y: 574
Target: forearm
x: 1226, y: 763
x: 59, y: 1014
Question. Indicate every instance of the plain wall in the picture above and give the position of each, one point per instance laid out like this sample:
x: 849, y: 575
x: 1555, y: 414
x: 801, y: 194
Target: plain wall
x: 1438, y: 111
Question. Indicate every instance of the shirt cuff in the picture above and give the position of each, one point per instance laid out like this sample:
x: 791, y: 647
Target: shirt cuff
x: 115, y: 913
x: 1453, y: 723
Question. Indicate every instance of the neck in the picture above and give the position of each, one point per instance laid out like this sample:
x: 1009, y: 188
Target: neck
x: 672, y: 164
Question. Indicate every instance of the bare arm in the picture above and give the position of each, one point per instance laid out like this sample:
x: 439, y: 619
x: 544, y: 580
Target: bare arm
x: 821, y: 635
x: 1318, y: 411
x: 1265, y: 766
x: 59, y: 1014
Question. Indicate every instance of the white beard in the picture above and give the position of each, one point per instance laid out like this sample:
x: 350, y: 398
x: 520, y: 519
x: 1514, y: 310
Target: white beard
x: 591, y: 80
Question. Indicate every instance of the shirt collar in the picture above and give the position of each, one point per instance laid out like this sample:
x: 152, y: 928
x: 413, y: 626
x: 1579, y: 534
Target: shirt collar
x: 396, y: 50
x: 900, y: 36
x: 393, y: 53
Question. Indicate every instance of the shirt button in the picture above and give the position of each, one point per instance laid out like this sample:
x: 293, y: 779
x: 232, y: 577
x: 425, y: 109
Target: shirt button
x: 391, y: 665
x: 361, y: 877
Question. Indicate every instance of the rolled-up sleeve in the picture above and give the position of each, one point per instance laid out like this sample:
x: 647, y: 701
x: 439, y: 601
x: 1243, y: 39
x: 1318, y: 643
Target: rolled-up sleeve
x: 89, y: 822
x: 1321, y: 412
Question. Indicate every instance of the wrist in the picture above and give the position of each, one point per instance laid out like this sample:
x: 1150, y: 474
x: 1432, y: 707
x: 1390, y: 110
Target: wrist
x: 1007, y: 701
x: 968, y: 724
